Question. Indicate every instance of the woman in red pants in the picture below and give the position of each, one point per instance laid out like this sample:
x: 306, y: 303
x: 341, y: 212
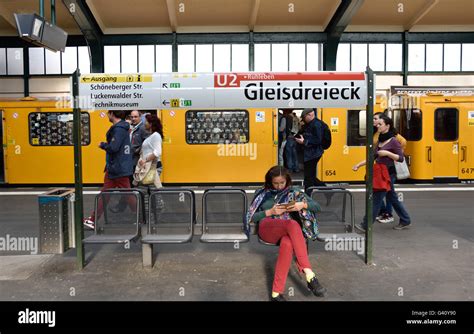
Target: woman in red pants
x: 284, y: 215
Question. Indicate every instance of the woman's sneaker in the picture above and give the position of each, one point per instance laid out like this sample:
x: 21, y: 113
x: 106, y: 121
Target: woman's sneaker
x: 278, y: 298
x: 316, y: 288
x: 89, y: 223
x: 401, y: 227
x: 385, y: 219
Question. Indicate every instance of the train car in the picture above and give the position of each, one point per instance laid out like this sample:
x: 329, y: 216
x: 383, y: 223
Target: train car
x: 440, y: 135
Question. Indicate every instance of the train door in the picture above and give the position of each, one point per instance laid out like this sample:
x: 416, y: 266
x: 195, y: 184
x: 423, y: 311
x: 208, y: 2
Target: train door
x: 348, y: 133
x: 445, y: 127
x: 3, y: 146
x: 466, y: 141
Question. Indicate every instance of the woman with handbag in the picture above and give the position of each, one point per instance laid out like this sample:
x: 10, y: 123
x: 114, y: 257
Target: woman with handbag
x: 285, y: 215
x: 149, y: 165
x: 387, y: 151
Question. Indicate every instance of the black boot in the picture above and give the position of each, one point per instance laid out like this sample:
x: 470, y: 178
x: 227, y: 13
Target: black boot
x: 278, y: 298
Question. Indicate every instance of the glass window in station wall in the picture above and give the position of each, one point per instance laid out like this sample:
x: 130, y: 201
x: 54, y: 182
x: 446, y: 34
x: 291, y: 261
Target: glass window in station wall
x: 186, y: 58
x: 297, y: 59
x: 112, y: 59
x: 129, y: 59
x: 416, y: 57
x: 358, y: 57
x: 222, y: 58
x: 393, y: 57
x: 146, y: 58
x: 452, y: 57
x: 434, y: 57
x: 312, y: 57
x: 84, y: 59
x: 343, y: 60
x: 3, y: 61
x: 204, y: 58
x: 240, y: 58
x: 262, y: 58
x: 468, y: 57
x: 164, y: 59
x: 377, y: 57
x: 69, y: 60
x: 36, y: 59
x: 53, y: 62
x: 279, y: 58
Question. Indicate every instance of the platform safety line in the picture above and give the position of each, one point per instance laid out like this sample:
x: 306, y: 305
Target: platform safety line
x: 354, y: 190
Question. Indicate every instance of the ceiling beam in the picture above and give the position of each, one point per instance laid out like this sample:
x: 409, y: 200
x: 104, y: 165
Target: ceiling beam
x: 91, y: 31
x: 419, y: 15
x: 96, y: 15
x: 7, y: 15
x: 331, y: 13
x: 254, y: 14
x: 172, y: 14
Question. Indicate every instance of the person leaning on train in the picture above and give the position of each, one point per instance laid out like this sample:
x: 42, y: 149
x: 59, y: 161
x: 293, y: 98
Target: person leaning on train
x: 275, y: 210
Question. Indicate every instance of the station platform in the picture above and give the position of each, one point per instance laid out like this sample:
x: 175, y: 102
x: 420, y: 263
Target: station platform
x: 430, y: 261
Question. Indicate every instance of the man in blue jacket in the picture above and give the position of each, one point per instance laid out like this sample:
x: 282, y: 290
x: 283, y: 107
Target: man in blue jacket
x: 311, y: 139
x: 119, y: 159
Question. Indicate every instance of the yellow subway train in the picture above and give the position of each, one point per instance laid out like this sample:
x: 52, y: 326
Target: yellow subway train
x: 36, y: 137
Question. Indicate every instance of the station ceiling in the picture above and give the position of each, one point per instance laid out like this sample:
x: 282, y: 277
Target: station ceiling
x: 188, y: 16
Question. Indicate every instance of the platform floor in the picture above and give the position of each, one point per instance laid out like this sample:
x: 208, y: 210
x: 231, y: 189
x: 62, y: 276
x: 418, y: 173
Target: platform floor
x: 419, y: 264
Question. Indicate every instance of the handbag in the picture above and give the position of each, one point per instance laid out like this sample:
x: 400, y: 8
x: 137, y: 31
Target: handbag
x: 150, y: 175
x: 402, y: 170
x: 381, y: 178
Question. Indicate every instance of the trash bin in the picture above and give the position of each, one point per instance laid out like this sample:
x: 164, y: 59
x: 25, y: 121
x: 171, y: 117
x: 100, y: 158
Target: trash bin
x: 56, y: 229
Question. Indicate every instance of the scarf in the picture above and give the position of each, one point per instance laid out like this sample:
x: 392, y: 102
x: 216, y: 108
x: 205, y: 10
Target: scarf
x: 305, y: 218
x: 386, y: 136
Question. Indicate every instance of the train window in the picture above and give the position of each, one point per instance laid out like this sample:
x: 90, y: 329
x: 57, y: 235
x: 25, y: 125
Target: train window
x: 409, y: 121
x: 55, y: 128
x: 446, y: 124
x: 217, y: 127
x: 356, y: 129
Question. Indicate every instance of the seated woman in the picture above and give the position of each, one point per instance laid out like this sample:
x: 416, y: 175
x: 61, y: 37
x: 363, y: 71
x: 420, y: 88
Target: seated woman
x: 277, y: 223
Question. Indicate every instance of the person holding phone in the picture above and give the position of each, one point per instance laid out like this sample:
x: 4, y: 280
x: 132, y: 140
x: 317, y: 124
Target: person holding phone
x: 278, y: 209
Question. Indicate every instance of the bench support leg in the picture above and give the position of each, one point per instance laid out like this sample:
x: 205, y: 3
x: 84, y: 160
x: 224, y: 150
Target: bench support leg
x: 147, y: 255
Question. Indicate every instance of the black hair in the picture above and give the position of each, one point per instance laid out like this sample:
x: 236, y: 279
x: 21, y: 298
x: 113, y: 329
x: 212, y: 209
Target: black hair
x: 274, y: 172
x: 118, y: 113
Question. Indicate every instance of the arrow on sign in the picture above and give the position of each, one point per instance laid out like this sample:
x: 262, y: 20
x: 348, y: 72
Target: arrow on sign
x: 165, y: 85
x: 165, y: 102
x: 86, y: 79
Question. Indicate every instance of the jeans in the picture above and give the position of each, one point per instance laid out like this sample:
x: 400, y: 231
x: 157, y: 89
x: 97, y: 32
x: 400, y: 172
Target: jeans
x: 310, y: 178
x: 291, y: 154
x: 386, y: 207
x: 288, y: 233
x: 392, y: 199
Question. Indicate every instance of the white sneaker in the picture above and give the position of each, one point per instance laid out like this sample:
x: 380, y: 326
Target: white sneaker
x: 386, y: 219
x: 89, y: 223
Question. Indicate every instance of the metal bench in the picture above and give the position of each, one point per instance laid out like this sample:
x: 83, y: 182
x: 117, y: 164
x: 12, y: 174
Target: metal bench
x: 123, y: 212
x: 171, y: 220
x: 223, y: 215
x: 336, y: 218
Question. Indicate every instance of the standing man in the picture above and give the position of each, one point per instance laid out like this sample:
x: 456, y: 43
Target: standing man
x: 311, y: 139
x: 138, y: 134
x: 119, y: 160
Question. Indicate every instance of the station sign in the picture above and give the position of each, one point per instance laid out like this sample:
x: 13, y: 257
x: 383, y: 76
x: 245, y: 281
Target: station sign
x: 223, y: 90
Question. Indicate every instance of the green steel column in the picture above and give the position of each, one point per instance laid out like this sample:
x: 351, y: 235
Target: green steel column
x: 251, y: 52
x: 370, y: 164
x: 53, y: 12
x: 41, y: 9
x: 174, y: 54
x: 78, y: 213
x: 405, y: 58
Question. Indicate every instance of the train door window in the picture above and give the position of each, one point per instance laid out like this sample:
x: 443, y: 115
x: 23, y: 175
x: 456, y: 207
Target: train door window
x: 356, y: 128
x: 410, y: 121
x: 217, y: 127
x: 446, y: 124
x: 55, y: 128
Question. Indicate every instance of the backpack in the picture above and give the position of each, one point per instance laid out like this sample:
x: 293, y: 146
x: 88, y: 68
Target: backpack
x: 326, y: 136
